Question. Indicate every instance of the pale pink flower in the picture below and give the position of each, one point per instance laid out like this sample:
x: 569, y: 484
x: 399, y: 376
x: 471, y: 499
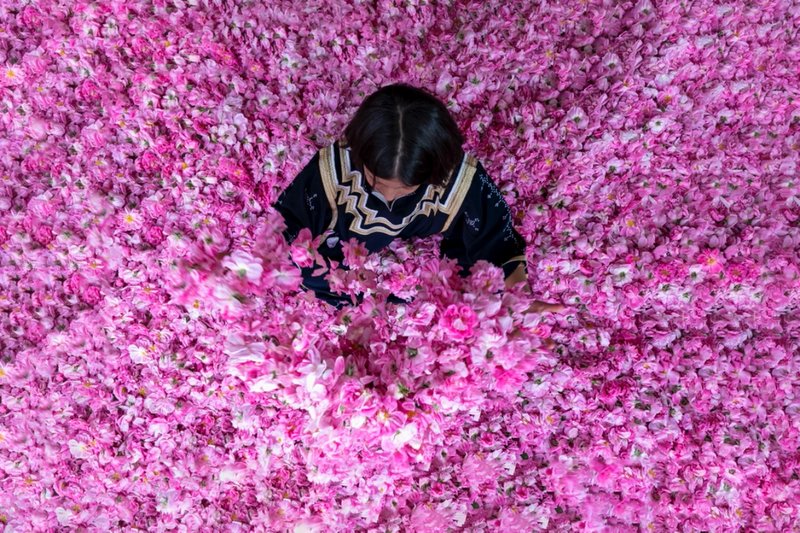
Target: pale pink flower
x: 244, y: 264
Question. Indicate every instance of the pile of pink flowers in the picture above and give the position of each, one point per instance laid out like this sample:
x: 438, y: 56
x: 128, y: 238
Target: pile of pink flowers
x: 161, y: 369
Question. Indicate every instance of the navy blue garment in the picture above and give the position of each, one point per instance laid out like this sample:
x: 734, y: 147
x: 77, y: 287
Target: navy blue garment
x: 330, y: 193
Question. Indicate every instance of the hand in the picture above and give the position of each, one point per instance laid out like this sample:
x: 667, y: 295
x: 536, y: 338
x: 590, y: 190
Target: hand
x: 545, y: 307
x: 515, y: 277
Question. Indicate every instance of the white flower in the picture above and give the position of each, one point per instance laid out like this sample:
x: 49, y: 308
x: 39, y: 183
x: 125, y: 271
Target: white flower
x: 339, y: 329
x: 245, y: 265
x: 406, y: 435
x: 615, y: 165
x: 568, y: 267
x: 735, y: 340
x: 137, y: 354
x: 662, y: 341
x: 725, y: 115
x: 622, y: 274
x: 244, y: 418
x: 577, y: 116
x: 611, y: 60
x: 696, y: 273
x: 658, y: 124
x: 304, y: 527
x: 168, y: 502
x: 158, y: 428
x: 263, y: 384
x: 159, y: 406
x: 131, y: 219
x: 225, y: 296
x: 316, y: 391
x: 13, y: 76
x: 79, y: 450
x: 130, y: 276
x: 64, y: 516
x: 232, y: 473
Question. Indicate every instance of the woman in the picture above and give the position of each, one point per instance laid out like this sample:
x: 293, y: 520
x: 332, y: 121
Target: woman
x: 400, y: 171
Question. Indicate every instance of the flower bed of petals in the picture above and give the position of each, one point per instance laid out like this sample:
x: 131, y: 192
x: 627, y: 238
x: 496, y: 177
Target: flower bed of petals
x: 161, y: 370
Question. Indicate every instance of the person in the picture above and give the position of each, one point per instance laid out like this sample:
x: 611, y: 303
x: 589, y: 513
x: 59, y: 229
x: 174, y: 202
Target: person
x: 399, y: 171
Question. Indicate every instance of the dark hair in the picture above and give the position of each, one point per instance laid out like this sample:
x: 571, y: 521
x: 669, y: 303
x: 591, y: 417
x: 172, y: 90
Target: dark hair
x: 405, y: 133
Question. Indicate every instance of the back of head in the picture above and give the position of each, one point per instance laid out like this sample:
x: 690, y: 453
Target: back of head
x: 405, y: 133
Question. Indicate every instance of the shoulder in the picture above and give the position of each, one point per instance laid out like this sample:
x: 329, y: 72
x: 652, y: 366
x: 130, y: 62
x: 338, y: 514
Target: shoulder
x: 462, y: 176
x: 472, y: 178
x: 453, y: 194
x: 483, y: 183
x: 329, y: 162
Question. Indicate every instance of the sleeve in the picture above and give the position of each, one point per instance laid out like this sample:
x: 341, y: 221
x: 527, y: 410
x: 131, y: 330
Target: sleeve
x: 303, y: 203
x: 483, y: 229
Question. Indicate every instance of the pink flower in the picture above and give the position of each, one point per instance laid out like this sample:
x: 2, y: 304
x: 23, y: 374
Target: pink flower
x: 302, y: 250
x: 90, y: 91
x: 149, y: 161
x: 42, y: 206
x: 669, y: 271
x: 480, y: 471
x: 150, y: 300
x: 509, y: 380
x: 91, y: 295
x: 35, y: 332
x: 744, y: 271
x: 75, y: 283
x: 710, y: 261
x: 428, y: 518
x: 611, y: 390
x: 30, y: 17
x: 153, y: 235
x: 43, y: 235
x: 355, y: 253
x: 235, y: 172
x: 459, y: 321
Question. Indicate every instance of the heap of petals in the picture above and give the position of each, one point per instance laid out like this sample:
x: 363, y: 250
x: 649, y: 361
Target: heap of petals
x: 161, y: 367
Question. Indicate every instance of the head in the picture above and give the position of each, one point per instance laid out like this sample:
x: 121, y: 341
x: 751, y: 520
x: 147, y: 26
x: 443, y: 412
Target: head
x: 404, y: 137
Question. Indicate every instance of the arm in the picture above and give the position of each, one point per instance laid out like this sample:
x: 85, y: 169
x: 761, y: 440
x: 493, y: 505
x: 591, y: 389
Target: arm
x: 303, y: 203
x: 483, y: 230
x: 517, y: 276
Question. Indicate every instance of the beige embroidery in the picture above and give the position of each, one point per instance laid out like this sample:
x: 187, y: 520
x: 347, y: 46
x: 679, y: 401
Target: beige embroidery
x: 351, y: 194
x: 516, y: 258
x: 327, y: 170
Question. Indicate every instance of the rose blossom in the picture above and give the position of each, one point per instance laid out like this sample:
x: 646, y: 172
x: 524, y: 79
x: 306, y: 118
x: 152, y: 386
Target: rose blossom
x: 459, y: 321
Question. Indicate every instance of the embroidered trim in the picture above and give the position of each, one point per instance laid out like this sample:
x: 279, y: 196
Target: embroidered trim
x: 460, y: 188
x: 515, y: 258
x: 327, y: 170
x: 351, y: 194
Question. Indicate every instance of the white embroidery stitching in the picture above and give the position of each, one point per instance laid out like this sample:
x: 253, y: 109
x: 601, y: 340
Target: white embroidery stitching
x: 472, y: 222
x: 310, y: 201
x: 508, y: 229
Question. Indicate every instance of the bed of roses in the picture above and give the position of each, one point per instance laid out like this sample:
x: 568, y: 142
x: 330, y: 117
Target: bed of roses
x: 161, y: 368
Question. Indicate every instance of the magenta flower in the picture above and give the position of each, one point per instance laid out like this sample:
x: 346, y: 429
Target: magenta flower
x: 458, y: 321
x: 711, y: 261
x: 43, y: 235
x: 153, y: 235
x: 612, y: 390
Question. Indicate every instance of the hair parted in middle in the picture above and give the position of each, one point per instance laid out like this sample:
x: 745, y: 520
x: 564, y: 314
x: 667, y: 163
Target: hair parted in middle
x: 403, y: 132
